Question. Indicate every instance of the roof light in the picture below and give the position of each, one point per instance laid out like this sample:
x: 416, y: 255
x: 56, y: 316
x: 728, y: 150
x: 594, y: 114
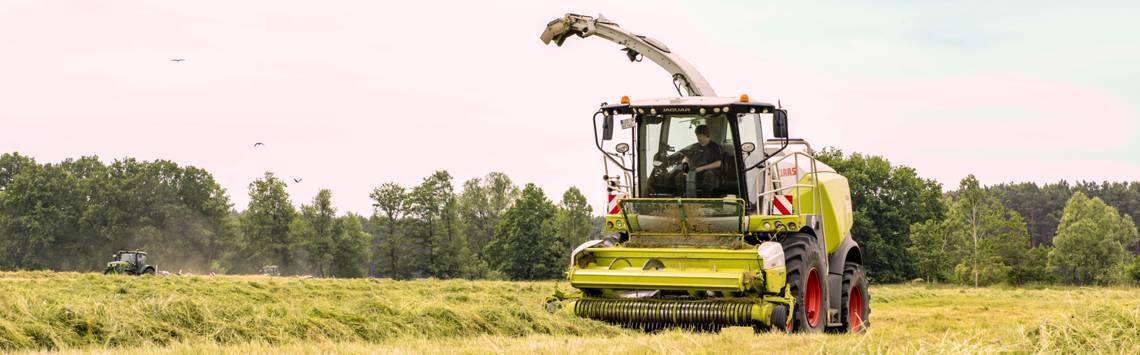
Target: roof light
x: 625, y: 100
x: 744, y: 98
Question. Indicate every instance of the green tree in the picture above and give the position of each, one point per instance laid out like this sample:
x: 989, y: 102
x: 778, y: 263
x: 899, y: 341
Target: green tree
x: 481, y: 204
x: 39, y: 218
x: 166, y: 209
x: 1133, y: 271
x: 995, y: 237
x: 572, y: 222
x: 596, y: 225
x: 390, y: 206
x: 1033, y: 268
x: 350, y: 253
x: 1090, y: 242
x: 524, y: 247
x: 316, y: 228
x: 1123, y: 196
x: 886, y: 201
x: 266, y: 221
x: 188, y: 213
x: 934, y: 249
x: 11, y: 164
x: 436, y: 228
x: 1040, y: 206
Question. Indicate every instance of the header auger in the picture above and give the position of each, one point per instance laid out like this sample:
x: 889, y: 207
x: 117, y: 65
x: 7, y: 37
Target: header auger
x: 712, y: 224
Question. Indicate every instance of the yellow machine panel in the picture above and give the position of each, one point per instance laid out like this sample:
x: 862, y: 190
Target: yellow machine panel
x: 835, y: 201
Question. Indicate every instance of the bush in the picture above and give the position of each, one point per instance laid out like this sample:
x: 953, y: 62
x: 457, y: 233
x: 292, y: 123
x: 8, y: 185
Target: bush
x: 1133, y: 271
x: 1033, y: 269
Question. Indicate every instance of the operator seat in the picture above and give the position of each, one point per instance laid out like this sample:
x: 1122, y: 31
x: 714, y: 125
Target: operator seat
x: 728, y: 173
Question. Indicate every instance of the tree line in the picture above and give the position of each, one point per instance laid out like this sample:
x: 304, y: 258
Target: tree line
x: 72, y: 215
x: 1008, y: 233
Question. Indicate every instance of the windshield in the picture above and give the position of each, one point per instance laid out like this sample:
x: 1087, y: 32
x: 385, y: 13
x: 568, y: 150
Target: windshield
x: 689, y: 155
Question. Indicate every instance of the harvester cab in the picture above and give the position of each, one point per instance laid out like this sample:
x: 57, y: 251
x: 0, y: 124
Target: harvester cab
x: 712, y: 223
x: 130, y: 263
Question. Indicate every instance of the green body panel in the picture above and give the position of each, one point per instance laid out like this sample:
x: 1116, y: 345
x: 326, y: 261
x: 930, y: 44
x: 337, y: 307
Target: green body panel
x: 835, y: 206
x: 775, y: 279
x: 668, y: 269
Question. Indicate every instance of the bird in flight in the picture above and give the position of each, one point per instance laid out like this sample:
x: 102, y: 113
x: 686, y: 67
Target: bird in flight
x: 296, y: 180
x: 258, y: 144
x: 177, y: 60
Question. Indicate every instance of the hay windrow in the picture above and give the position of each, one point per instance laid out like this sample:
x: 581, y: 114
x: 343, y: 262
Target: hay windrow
x: 256, y: 314
x: 45, y: 311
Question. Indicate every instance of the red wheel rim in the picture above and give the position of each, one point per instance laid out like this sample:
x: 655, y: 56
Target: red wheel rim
x: 812, y: 298
x: 855, y: 309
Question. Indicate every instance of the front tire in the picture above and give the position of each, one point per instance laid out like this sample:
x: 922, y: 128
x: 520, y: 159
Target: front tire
x: 806, y: 277
x: 855, y: 311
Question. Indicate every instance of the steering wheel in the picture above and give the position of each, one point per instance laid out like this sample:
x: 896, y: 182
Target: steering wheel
x: 668, y: 164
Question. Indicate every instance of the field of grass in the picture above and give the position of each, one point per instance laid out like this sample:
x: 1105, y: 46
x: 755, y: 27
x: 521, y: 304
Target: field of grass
x: 253, y: 314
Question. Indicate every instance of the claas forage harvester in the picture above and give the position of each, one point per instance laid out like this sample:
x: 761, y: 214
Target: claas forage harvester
x: 711, y: 223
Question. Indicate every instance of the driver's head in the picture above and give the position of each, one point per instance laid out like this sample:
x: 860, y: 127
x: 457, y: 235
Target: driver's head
x: 703, y: 134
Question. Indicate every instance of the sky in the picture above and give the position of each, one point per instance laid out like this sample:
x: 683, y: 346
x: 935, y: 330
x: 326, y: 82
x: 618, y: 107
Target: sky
x: 348, y: 95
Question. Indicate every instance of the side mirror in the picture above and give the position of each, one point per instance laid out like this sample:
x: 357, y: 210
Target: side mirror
x: 780, y: 124
x: 608, y: 127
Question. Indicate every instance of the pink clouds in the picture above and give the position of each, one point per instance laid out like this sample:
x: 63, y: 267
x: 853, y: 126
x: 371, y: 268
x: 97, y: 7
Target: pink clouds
x: 1002, y: 114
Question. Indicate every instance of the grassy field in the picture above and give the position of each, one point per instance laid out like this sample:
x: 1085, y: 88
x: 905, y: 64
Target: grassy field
x: 108, y: 314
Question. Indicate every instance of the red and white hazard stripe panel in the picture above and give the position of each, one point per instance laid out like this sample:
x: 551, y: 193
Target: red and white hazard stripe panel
x: 782, y: 204
x: 612, y: 204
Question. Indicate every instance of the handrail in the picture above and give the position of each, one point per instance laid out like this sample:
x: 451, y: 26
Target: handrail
x: 816, y: 199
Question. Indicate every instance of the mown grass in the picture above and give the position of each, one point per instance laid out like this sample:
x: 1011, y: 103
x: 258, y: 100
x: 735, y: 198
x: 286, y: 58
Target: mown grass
x: 93, y: 313
x: 43, y: 310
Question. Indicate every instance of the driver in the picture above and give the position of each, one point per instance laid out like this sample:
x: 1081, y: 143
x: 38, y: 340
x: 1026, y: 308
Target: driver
x: 703, y: 158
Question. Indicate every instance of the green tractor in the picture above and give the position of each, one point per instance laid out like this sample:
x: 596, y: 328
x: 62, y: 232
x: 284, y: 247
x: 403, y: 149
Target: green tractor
x: 710, y: 224
x: 129, y: 263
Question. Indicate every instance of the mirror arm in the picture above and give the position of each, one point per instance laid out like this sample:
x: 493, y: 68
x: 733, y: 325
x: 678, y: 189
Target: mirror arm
x: 598, y: 143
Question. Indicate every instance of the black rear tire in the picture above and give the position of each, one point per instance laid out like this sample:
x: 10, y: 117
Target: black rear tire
x: 855, y: 314
x: 807, y: 279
